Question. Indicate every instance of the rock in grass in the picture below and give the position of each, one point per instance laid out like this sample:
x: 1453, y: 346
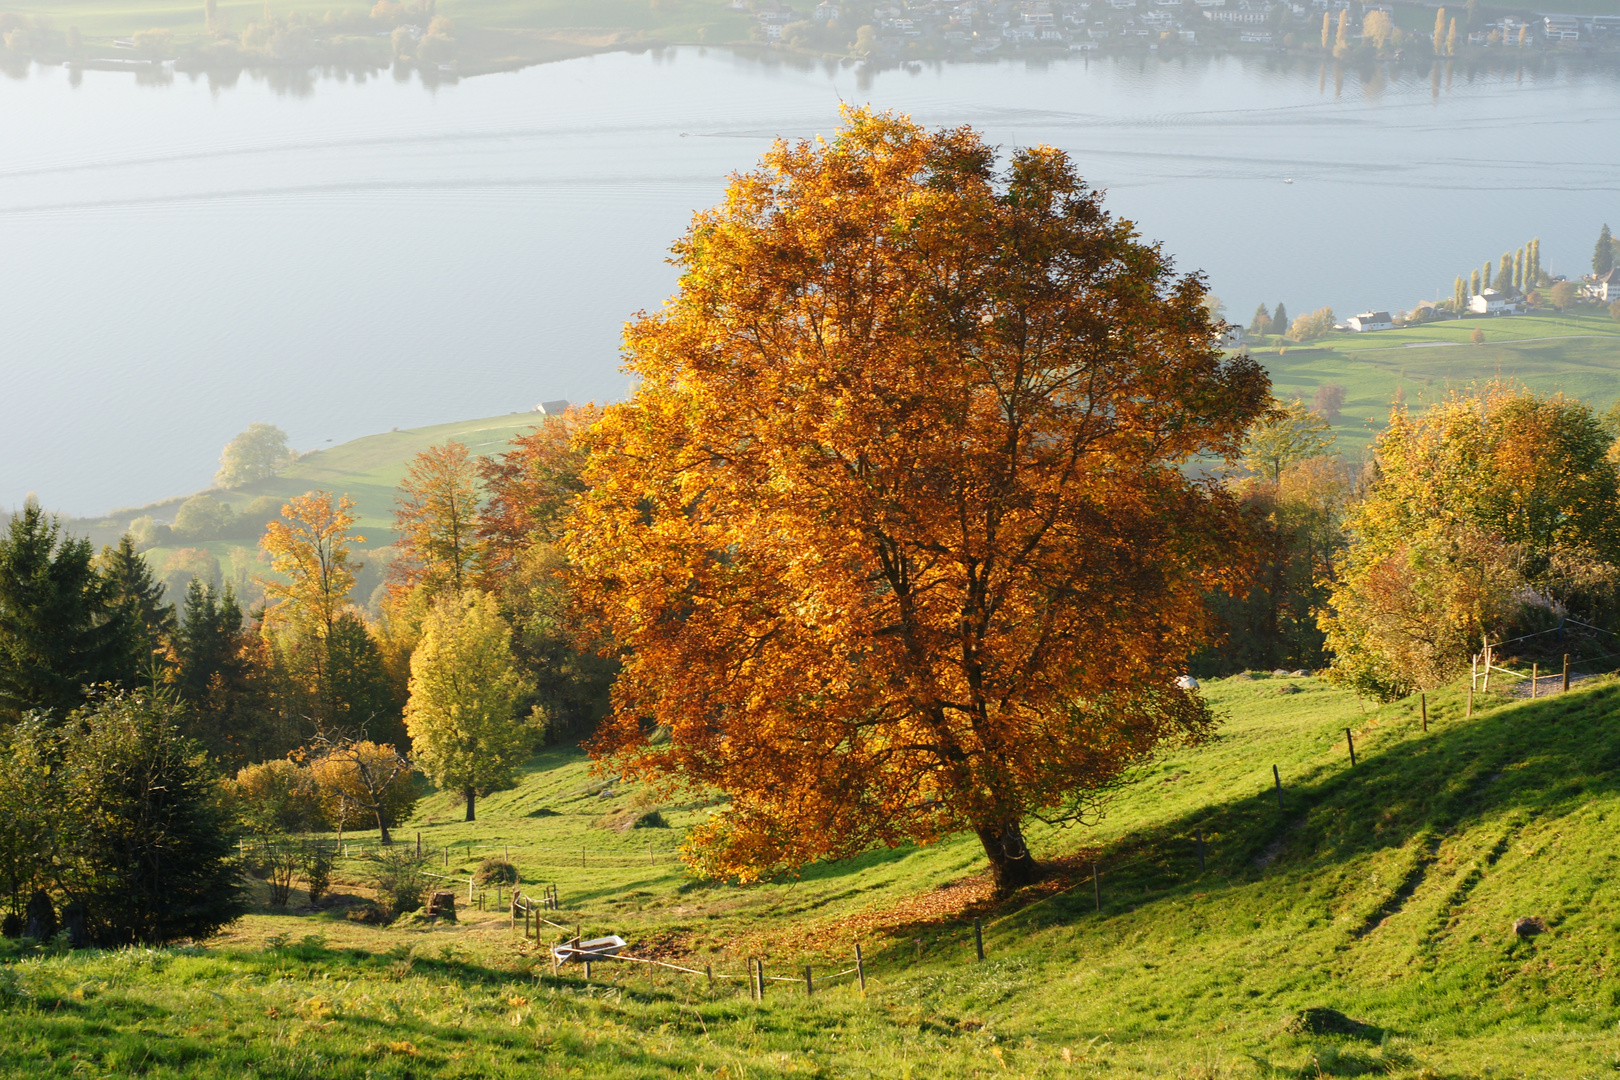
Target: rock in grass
x: 627, y: 819
x: 1281, y: 673
x: 1302, y: 674
x: 1186, y: 682
x: 1529, y: 926
x: 1324, y: 1021
x: 1287, y: 689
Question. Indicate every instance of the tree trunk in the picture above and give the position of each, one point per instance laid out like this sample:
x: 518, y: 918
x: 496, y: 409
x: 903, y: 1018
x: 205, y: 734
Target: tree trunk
x: 1011, y: 864
x: 471, y: 795
x: 382, y: 828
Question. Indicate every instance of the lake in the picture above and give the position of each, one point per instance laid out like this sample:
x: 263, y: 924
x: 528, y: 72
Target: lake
x: 179, y: 260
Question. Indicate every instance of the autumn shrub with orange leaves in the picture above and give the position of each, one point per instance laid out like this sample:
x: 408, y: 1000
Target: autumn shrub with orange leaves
x: 894, y: 531
x: 1495, y: 513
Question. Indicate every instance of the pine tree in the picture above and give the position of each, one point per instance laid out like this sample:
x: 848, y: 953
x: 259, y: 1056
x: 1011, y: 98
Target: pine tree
x: 208, y: 646
x: 1439, y: 30
x: 1279, y: 321
x: 136, y: 597
x: 1603, y: 253
x: 58, y: 630
x: 1261, y: 323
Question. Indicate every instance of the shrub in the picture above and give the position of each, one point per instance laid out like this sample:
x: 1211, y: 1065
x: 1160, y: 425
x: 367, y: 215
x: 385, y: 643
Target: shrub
x: 495, y: 872
x: 1318, y: 324
x: 1477, y: 336
x: 317, y: 871
x: 276, y: 797
x: 401, y: 878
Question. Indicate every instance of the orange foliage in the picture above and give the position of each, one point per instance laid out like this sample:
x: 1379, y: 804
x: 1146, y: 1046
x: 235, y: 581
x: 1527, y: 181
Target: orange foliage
x: 436, y: 515
x: 532, y: 486
x: 310, y: 550
x: 894, y: 530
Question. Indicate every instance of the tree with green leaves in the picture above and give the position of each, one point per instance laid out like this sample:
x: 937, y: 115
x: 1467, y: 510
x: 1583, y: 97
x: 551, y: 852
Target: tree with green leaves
x: 465, y: 690
x: 1260, y: 325
x: 1459, y: 296
x: 1603, y: 253
x: 258, y: 453
x: 1490, y: 511
x: 60, y: 630
x: 1473, y: 284
x: 1287, y: 434
x: 1518, y: 270
x: 1504, y: 274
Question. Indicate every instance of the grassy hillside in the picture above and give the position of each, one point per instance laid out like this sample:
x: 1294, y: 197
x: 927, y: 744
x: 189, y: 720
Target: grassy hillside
x: 1386, y: 891
x: 1576, y: 354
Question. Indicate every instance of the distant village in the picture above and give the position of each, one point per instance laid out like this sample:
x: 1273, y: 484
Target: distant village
x: 900, y: 30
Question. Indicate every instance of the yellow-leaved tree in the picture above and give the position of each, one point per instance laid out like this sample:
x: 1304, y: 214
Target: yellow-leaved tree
x: 1495, y: 512
x: 309, y: 552
x: 465, y: 692
x: 894, y: 530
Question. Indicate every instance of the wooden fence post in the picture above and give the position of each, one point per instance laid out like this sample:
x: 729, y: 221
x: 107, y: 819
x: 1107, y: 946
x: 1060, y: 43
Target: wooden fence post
x: 1469, y: 712
x: 1200, y: 851
x: 1423, y: 703
x: 1277, y: 776
x: 759, y: 966
x: 418, y: 845
x: 860, y: 967
x: 1535, y: 679
x: 587, y: 971
x: 978, y: 939
x: 1096, y: 887
x: 809, y: 982
x: 708, y: 969
x: 1566, y: 673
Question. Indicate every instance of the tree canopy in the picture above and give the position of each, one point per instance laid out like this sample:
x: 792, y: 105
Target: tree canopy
x: 258, y: 453
x: 894, y: 529
x: 465, y: 691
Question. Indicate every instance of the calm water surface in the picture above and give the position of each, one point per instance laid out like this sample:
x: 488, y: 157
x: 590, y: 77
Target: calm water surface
x: 177, y: 261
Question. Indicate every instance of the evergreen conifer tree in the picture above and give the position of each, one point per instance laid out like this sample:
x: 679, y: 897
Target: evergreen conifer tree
x: 208, y: 646
x: 135, y: 596
x: 1279, y: 321
x: 1261, y: 323
x: 1603, y: 253
x: 59, y: 632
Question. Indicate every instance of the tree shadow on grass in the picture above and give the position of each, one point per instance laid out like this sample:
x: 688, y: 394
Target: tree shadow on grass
x: 1543, y: 758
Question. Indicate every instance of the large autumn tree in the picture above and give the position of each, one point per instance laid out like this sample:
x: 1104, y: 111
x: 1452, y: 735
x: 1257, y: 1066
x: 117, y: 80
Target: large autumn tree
x: 436, y: 515
x: 895, y: 527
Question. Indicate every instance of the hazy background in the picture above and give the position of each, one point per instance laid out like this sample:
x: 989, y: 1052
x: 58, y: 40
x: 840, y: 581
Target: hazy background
x: 180, y: 261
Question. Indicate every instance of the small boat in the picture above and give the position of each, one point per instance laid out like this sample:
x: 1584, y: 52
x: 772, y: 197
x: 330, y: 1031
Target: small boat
x: 602, y: 948
x: 1288, y: 181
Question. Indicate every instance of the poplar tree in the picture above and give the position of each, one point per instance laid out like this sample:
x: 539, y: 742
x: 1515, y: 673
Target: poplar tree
x: 1327, y: 24
x: 1459, y: 296
x: 1451, y: 39
x: 1439, y: 30
x: 1341, y: 43
x: 1603, y: 253
x: 1473, y: 283
x: 1518, y: 270
x: 1504, y: 273
x: 1485, y: 276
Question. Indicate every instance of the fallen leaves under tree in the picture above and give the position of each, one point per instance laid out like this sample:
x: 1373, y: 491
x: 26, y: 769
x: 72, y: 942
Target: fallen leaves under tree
x: 894, y: 528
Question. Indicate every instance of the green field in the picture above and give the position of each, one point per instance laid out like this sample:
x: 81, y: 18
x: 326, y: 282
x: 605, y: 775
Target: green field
x: 1385, y: 891
x: 1578, y: 355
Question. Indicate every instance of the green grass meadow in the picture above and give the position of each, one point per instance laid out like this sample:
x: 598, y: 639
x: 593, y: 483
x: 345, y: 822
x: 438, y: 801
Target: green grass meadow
x: 1386, y: 891
x: 1577, y: 354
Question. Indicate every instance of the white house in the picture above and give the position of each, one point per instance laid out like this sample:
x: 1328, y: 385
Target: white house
x: 1605, y: 288
x: 1491, y: 302
x: 1370, y: 320
x: 552, y: 408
